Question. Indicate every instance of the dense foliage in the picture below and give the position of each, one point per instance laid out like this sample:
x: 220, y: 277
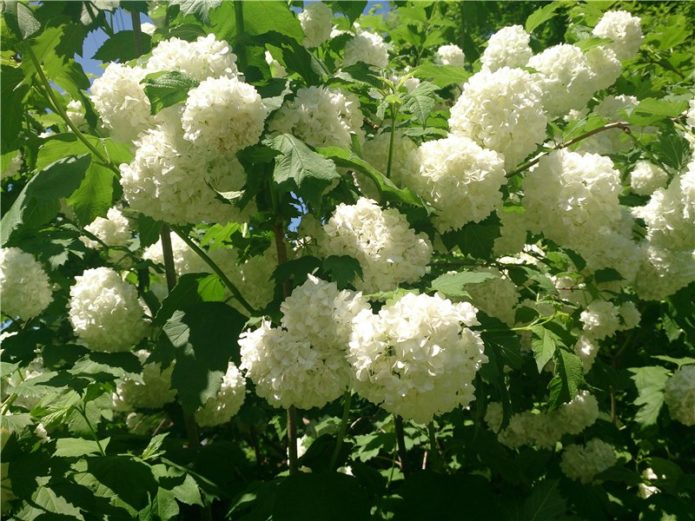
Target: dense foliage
x: 285, y: 261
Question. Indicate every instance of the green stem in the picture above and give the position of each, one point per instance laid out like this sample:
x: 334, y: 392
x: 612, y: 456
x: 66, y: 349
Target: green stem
x: 59, y: 110
x: 342, y: 430
x: 436, y: 457
x: 292, y: 440
x: 91, y: 429
x: 241, y: 33
x: 218, y: 271
x: 137, y: 31
x: 394, y: 114
x: 400, y: 442
x: 168, y: 255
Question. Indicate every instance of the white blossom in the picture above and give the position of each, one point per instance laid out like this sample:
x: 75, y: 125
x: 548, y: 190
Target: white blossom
x: 583, y: 462
x: 502, y: 111
x: 114, y: 230
x: 75, y: 113
x: 204, y: 58
x: 104, y: 311
x: 26, y: 289
x: 416, y: 357
x: 151, y: 390
x: 679, y: 395
x: 624, y: 29
x: 450, y: 55
x: 600, y: 319
x: 367, y: 47
x: 317, y: 21
x: 226, y: 403
x: 508, y: 47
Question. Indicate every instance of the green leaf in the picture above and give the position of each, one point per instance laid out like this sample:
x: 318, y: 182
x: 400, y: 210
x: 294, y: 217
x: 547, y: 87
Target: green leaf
x: 295, y: 56
x: 199, y: 8
x: 204, y: 339
x: 321, y: 497
x: 153, y: 447
x: 652, y: 110
x: 673, y: 149
x: 167, y: 88
x: 259, y: 18
x: 389, y: 191
x: 301, y: 170
x: 476, y: 239
x: 122, y: 477
x: 650, y: 382
x: 569, y: 375
x: 350, y: 8
x: 540, y: 16
x: 12, y: 92
x: 20, y: 19
x: 78, y: 447
x: 453, y: 284
x: 342, y: 269
x: 121, y: 47
x: 420, y: 102
x: 543, y: 344
x: 38, y: 202
x: 94, y: 196
x: 545, y: 502
x: 442, y: 75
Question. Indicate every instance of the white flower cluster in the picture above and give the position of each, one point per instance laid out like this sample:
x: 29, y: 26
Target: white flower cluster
x: 367, y: 47
x: 679, y: 395
x: 508, y: 47
x: 226, y: 403
x: 497, y: 296
x: 75, y: 113
x: 168, y: 180
x: 114, y: 230
x: 105, y: 312
x: 543, y: 429
x: 600, y: 319
x: 459, y: 179
x: 568, y: 79
x: 572, y: 198
x: 388, y: 250
x: 152, y: 390
x: 624, y: 29
x: 204, y: 58
x: 502, y: 111
x: 317, y: 21
x: 303, y: 362
x: 121, y: 102
x: 320, y: 116
x: 646, y: 177
x: 26, y: 290
x: 583, y: 462
x: 416, y: 357
x: 450, y: 55
x: 668, y: 254
x: 222, y: 116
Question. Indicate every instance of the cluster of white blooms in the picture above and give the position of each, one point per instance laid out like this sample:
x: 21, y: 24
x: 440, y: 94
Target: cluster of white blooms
x: 226, y: 403
x: 114, y: 230
x: 624, y: 29
x: 583, y: 462
x: 320, y: 116
x: 204, y: 58
x: 450, y: 55
x: 668, y: 260
x: 586, y: 349
x: 169, y: 181
x: 416, y: 357
x: 679, y: 395
x: 508, y: 47
x: 600, y: 319
x: 572, y: 198
x: 388, y: 250
x: 104, y: 311
x: 459, y: 179
x: 502, y: 111
x: 317, y: 21
x: 646, y: 177
x: 121, y: 102
x: 26, y: 290
x: 75, y: 113
x: 223, y: 115
x: 367, y: 47
x: 497, y: 296
x: 151, y: 390
x: 12, y: 167
x: 404, y: 159
x: 543, y: 429
x: 615, y: 140
x: 566, y: 78
x: 303, y: 363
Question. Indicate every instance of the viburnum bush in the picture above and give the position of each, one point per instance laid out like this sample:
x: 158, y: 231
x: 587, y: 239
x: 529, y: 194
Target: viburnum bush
x: 427, y: 261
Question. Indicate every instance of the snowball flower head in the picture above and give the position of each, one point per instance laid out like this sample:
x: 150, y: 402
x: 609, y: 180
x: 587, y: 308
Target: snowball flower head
x: 624, y: 29
x: 501, y: 111
x: 114, y: 230
x: 226, y: 403
x: 121, y: 102
x: 583, y: 462
x: 104, y: 311
x: 417, y: 358
x: 317, y: 21
x: 26, y: 290
x: 459, y: 179
x: 388, y: 250
x: 204, y: 58
x: 75, y: 113
x: 223, y: 115
x: 679, y: 395
x: 600, y: 319
x: 450, y: 55
x: 367, y: 47
x: 508, y: 47
x: 152, y: 391
x: 320, y: 116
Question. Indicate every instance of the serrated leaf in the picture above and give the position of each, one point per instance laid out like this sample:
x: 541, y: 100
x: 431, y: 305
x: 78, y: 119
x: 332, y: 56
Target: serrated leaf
x: 673, y: 149
x: 653, y: 110
x: 540, y: 16
x: 650, y: 382
x: 167, y: 88
x: 301, y: 170
x: 199, y: 8
x: 453, y: 284
x: 94, y: 196
x: 420, y: 101
x: 342, y: 269
x: 476, y: 239
x: 78, y: 447
x: 569, y: 375
x: 545, y: 502
x: 442, y: 75
x: 543, y: 344
x: 20, y: 19
x: 153, y: 447
x: 121, y: 47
